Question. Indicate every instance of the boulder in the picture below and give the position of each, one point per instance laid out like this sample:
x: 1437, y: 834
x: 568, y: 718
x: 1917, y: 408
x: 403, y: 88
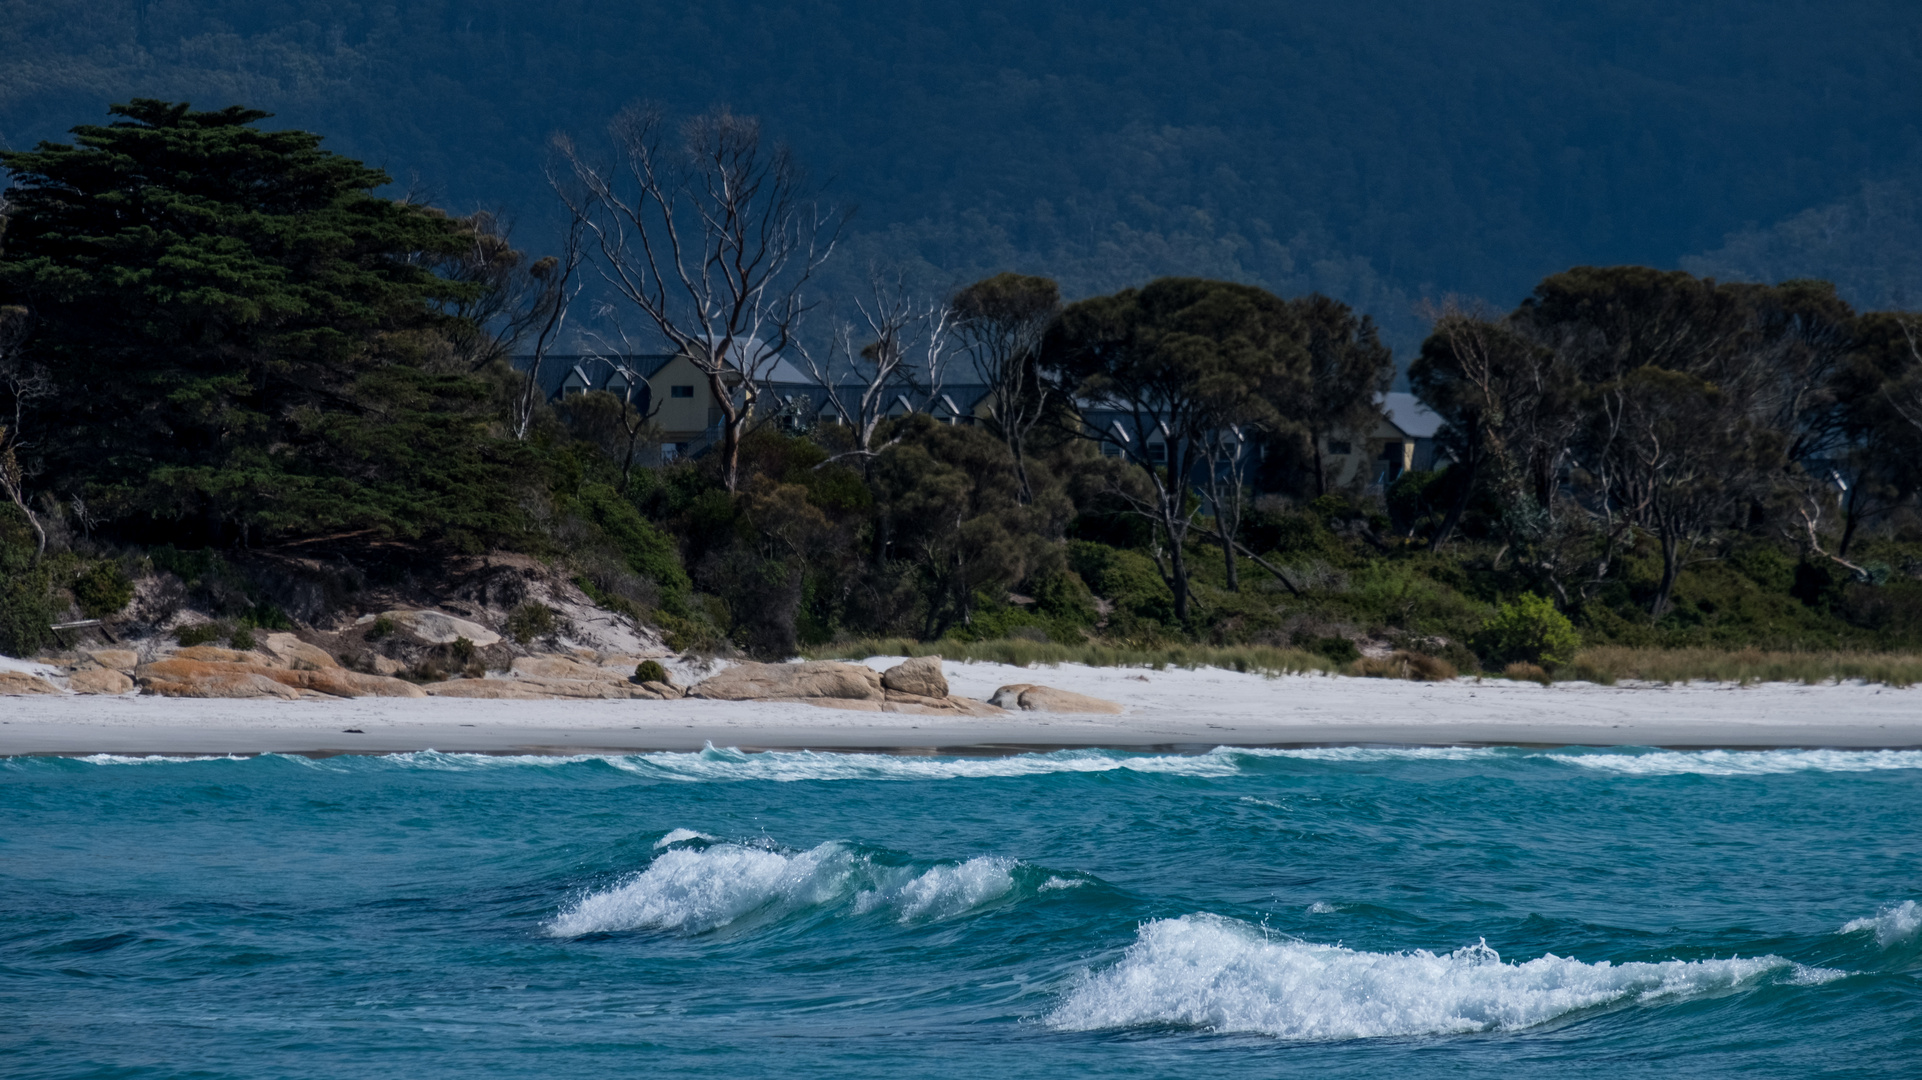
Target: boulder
x: 99, y: 680
x: 563, y: 667
x: 23, y: 682
x: 213, y: 654
x: 819, y: 679
x: 535, y: 689
x: 666, y: 691
x: 117, y: 659
x: 1029, y: 697
x: 386, y: 666
x: 920, y: 676
x: 438, y: 627
x: 186, y: 676
x: 296, y: 653
x: 177, y: 677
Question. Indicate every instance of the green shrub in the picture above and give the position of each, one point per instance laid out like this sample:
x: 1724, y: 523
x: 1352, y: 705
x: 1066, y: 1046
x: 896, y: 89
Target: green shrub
x: 102, y: 590
x: 242, y: 638
x: 530, y: 621
x: 1528, y: 630
x: 1339, y: 650
x: 200, y: 633
x: 647, y: 550
x: 650, y: 671
x: 383, y: 627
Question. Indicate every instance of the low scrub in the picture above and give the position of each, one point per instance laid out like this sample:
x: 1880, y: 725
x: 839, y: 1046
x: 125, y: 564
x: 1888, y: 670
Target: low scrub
x: 1608, y: 664
x: 1414, y: 666
x: 1022, y: 652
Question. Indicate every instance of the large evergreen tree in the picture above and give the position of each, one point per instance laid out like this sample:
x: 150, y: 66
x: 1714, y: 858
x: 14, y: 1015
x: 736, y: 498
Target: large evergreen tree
x: 242, y: 339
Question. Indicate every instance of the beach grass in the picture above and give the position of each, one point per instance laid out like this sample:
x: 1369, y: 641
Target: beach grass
x: 1607, y: 665
x: 1021, y: 652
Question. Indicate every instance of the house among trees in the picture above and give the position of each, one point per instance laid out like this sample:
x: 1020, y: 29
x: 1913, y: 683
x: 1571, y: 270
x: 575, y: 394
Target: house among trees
x: 1402, y: 439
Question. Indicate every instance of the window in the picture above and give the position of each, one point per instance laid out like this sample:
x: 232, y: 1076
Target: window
x: 1109, y: 449
x: 1158, y: 453
x: 1339, y: 446
x: 681, y: 391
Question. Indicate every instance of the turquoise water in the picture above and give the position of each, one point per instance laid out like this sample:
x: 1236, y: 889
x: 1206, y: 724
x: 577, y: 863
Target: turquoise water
x: 1377, y: 913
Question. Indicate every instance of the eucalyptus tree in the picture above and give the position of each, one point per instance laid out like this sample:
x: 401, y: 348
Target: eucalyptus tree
x: 1001, y: 322
x: 1348, y: 369
x: 1164, y: 369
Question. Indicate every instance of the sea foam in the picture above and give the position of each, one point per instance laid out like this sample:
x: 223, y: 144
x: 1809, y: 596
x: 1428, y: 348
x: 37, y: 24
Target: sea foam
x: 1742, y: 762
x: 691, y: 889
x: 1216, y: 974
x: 1891, y: 924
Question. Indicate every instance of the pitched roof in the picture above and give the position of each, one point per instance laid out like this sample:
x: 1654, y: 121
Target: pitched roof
x: 1405, y: 411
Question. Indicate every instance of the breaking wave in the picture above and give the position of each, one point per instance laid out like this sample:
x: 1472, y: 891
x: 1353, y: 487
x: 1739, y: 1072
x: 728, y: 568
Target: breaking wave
x: 1214, y: 974
x: 1743, y: 762
x: 1891, y: 924
x: 692, y: 887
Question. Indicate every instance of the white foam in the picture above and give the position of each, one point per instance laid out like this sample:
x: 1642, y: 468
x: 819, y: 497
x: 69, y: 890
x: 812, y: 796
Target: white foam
x: 1216, y: 974
x: 1891, y: 924
x: 1322, y: 907
x: 943, y: 892
x: 1744, y: 762
x: 678, y: 836
x: 695, y: 889
x: 153, y: 759
x: 788, y: 766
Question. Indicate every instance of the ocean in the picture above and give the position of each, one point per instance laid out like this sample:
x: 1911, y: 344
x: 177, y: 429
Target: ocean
x: 1238, y: 913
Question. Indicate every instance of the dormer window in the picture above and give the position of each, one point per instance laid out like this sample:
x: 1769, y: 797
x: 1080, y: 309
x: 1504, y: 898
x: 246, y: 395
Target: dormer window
x: 681, y: 391
x: 1340, y: 446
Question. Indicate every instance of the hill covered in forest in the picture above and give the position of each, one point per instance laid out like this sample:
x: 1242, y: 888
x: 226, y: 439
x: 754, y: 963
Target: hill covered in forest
x: 1381, y: 152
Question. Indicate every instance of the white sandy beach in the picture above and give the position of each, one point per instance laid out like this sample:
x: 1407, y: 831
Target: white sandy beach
x: 1174, y: 709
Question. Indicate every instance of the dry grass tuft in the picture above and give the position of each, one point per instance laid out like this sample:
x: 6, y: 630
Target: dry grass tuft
x: 1521, y: 671
x: 1607, y: 664
x: 1019, y: 652
x: 1414, y: 666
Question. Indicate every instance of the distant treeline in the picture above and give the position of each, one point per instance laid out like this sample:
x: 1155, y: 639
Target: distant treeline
x: 218, y: 345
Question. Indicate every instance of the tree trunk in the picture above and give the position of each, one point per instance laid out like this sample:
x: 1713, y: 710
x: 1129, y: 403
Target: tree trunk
x: 1671, y: 570
x: 1321, y: 470
x: 1228, y: 555
x: 1178, y: 577
x: 1455, y: 512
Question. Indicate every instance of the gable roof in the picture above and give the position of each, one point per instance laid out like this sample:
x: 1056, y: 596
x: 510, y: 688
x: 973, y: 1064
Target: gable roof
x: 1405, y: 411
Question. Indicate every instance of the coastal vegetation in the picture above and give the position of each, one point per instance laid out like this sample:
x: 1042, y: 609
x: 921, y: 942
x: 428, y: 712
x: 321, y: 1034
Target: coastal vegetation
x: 235, y: 378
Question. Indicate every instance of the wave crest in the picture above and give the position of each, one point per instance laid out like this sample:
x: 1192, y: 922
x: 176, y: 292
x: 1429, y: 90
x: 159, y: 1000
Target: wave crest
x: 1891, y: 924
x: 693, y: 887
x: 1216, y: 974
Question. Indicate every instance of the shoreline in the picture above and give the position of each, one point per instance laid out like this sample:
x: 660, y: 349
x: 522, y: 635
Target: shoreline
x: 1168, y: 711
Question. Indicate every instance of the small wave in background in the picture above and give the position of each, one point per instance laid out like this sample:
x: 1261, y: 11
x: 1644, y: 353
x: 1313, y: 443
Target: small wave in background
x: 695, y: 887
x: 1220, y: 975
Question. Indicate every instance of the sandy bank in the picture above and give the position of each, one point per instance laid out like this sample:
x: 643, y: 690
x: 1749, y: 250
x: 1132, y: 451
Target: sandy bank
x: 1167, y: 709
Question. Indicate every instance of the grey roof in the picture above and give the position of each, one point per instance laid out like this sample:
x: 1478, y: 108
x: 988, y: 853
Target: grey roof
x: 1405, y: 411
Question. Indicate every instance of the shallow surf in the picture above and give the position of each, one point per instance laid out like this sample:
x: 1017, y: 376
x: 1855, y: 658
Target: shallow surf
x: 1336, y: 911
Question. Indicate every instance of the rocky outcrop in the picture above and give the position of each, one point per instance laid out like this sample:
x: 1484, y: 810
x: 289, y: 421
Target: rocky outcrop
x: 437, y: 627
x: 116, y: 659
x: 99, y: 680
x: 25, y: 682
x: 1029, y: 697
x: 207, y: 672
x: 823, y: 679
x: 920, y: 676
x: 844, y: 686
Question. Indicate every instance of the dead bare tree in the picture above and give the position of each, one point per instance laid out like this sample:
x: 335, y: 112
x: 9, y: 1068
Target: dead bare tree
x: 547, y: 313
x: 21, y: 384
x: 907, y: 345
x: 711, y: 235
x: 636, y: 422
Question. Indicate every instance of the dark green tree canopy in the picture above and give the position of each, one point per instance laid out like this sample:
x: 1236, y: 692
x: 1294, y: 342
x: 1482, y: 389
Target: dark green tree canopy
x: 234, y: 326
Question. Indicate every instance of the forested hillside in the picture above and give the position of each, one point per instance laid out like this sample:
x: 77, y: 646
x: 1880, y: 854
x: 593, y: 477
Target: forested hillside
x: 1381, y: 152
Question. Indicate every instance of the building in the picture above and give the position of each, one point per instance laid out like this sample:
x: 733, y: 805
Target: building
x: 1402, y: 438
